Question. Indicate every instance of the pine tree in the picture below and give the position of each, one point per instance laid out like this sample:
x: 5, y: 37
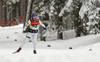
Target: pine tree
x: 91, y: 13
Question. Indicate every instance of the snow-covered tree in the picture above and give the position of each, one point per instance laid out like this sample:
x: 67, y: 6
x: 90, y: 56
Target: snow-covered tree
x: 91, y: 9
x: 87, y: 15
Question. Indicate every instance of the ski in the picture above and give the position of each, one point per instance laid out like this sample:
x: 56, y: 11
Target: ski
x: 17, y: 50
x: 14, y: 52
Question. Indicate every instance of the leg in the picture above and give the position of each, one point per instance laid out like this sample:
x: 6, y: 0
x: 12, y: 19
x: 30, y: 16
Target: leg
x: 28, y: 36
x: 35, y: 42
x: 24, y: 42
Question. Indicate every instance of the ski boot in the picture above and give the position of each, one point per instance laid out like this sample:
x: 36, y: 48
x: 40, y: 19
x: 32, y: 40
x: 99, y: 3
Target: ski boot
x: 34, y: 51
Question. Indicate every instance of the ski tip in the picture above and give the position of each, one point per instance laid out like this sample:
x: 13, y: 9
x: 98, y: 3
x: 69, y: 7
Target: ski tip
x: 14, y: 52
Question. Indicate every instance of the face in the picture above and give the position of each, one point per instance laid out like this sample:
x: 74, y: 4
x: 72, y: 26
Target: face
x: 34, y: 18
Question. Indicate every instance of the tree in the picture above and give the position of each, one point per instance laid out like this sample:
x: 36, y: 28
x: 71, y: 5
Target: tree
x: 1, y: 10
x: 90, y: 10
x: 78, y: 22
x: 23, y: 10
x: 29, y: 10
x: 59, y: 4
x: 4, y: 10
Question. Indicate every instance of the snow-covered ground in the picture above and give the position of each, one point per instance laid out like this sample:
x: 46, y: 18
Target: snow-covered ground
x: 84, y: 49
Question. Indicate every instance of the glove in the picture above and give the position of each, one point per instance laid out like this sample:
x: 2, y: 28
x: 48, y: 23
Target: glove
x: 45, y: 28
x: 23, y: 32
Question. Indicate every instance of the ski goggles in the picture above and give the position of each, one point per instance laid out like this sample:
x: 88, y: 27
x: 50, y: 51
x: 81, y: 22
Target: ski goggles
x: 34, y: 16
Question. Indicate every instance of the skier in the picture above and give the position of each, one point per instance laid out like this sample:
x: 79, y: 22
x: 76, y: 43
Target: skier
x: 33, y: 26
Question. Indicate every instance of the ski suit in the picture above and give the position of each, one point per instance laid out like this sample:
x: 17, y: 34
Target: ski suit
x: 32, y: 31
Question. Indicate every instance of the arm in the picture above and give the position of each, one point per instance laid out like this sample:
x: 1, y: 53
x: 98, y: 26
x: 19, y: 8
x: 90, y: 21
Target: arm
x: 41, y: 24
x: 26, y: 25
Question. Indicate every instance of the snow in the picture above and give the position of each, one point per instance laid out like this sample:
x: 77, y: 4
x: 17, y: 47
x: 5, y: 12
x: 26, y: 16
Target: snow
x: 84, y: 49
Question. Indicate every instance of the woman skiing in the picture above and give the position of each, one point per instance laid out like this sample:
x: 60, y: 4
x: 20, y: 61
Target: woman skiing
x: 33, y: 26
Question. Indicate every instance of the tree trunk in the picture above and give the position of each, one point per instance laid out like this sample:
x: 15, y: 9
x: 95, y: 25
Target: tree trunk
x: 23, y: 10
x: 0, y: 11
x: 17, y: 9
x: 29, y: 8
x: 77, y: 22
x: 4, y: 11
x: 59, y: 5
x: 14, y: 11
x: 60, y: 30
